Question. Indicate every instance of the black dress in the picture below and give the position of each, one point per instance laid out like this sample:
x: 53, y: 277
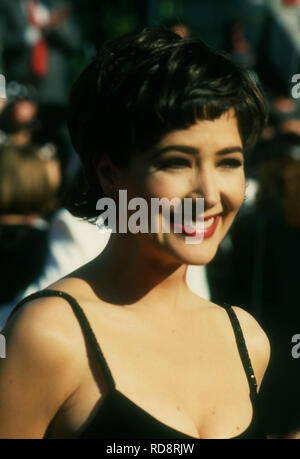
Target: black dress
x: 119, y: 417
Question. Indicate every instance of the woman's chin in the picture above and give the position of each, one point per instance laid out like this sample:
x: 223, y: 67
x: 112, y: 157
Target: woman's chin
x: 199, y: 253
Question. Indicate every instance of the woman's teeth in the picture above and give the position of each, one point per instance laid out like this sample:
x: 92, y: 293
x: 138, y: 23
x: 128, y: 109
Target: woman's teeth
x: 208, y: 223
x: 200, y: 224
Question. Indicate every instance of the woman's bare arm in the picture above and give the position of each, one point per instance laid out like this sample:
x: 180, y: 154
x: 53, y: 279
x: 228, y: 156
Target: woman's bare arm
x: 40, y: 370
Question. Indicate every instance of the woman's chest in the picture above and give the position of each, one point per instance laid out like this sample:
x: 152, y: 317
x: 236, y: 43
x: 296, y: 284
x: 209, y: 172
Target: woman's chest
x: 194, y: 384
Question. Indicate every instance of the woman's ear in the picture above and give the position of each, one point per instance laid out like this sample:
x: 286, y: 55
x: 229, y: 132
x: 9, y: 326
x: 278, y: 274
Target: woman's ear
x: 107, y: 175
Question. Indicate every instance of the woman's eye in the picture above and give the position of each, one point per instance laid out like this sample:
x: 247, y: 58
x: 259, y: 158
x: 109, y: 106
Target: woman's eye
x: 231, y: 163
x: 176, y: 163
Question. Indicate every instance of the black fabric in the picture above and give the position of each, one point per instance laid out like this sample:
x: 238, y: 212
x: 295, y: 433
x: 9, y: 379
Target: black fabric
x: 116, y: 416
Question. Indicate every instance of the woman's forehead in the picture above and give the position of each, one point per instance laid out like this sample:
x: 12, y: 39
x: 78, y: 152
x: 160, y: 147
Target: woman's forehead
x: 220, y: 131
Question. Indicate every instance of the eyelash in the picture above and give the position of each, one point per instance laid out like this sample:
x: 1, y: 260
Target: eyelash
x: 231, y: 163
x: 179, y: 163
x: 176, y: 163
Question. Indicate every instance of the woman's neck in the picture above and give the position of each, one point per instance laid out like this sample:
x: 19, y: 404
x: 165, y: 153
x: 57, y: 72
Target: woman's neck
x: 131, y: 270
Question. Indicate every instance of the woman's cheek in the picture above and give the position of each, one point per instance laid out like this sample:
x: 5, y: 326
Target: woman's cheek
x: 168, y: 185
x: 238, y: 191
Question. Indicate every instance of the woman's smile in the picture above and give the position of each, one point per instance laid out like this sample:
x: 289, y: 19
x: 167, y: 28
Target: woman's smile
x: 203, y: 161
x: 201, y: 227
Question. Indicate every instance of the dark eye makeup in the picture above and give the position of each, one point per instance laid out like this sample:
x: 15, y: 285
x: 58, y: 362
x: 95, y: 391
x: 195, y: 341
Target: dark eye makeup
x: 171, y: 163
x: 179, y: 163
x: 232, y: 163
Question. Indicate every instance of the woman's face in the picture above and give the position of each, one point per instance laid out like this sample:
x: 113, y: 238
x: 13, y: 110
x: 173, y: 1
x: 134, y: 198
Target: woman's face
x: 202, y: 161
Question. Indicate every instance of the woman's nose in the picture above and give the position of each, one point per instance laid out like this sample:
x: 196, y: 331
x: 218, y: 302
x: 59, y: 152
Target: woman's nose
x: 206, y: 187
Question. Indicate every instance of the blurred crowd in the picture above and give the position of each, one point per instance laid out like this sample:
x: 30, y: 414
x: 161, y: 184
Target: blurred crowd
x: 42, y: 46
x: 40, y: 241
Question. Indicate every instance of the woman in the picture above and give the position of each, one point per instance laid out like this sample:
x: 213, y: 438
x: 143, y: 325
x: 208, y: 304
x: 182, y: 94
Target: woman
x: 142, y: 356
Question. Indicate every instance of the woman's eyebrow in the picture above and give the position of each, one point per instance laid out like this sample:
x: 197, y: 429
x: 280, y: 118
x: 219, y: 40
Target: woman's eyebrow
x: 228, y: 150
x: 181, y: 148
x: 193, y: 151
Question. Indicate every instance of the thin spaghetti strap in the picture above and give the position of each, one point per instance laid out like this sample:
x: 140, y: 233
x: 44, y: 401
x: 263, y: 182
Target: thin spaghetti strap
x: 82, y: 319
x: 243, y: 351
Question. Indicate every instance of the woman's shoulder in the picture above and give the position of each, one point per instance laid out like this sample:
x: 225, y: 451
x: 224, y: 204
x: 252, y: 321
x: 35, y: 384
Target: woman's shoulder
x: 44, y: 326
x: 43, y: 341
x: 41, y: 324
x: 246, y: 328
x: 256, y: 340
x: 251, y: 328
x: 59, y: 311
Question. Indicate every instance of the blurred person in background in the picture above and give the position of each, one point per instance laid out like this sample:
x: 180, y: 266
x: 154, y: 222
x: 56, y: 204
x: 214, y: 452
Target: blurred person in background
x: 37, y: 39
x: 27, y: 194
x: 40, y: 241
x: 238, y: 45
x: 23, y: 121
x: 18, y: 122
x: 284, y: 115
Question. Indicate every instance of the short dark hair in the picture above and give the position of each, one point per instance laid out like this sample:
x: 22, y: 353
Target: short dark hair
x: 142, y: 86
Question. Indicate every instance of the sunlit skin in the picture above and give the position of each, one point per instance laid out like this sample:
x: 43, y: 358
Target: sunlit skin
x: 203, y: 161
x: 170, y: 351
x: 214, y: 172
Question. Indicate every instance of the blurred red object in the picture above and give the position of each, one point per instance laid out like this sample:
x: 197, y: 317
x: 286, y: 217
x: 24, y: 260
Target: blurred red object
x: 290, y: 2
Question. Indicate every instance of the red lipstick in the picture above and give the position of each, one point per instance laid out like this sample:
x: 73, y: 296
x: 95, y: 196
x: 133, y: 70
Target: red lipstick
x: 206, y: 233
